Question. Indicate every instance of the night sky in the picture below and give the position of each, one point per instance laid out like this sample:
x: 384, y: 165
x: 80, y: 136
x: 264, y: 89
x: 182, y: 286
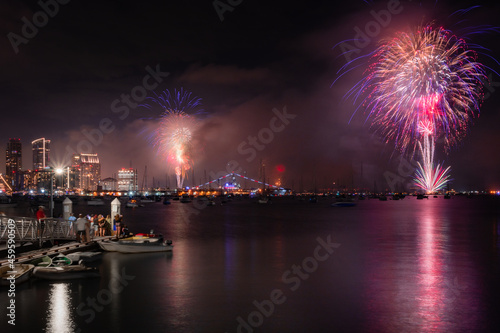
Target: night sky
x: 69, y: 78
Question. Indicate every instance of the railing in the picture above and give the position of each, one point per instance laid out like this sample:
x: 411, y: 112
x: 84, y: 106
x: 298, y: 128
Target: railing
x: 29, y: 229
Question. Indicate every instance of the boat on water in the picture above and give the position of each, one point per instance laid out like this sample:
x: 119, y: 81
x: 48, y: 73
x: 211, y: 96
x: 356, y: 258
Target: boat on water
x: 19, y: 273
x: 67, y: 272
x: 137, y: 244
x: 382, y: 198
x: 166, y: 201
x: 61, y: 260
x: 84, y: 257
x: 264, y: 200
x: 343, y: 204
x: 185, y: 199
x: 95, y: 202
x: 447, y: 196
x: 421, y: 196
x: 132, y: 203
x: 44, y: 261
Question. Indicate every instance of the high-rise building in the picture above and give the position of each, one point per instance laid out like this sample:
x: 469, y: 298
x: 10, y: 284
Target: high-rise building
x: 90, y: 171
x: 108, y: 184
x: 13, y: 163
x: 127, y: 180
x: 41, y: 153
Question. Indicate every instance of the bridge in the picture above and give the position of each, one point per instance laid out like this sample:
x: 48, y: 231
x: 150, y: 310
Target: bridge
x: 29, y: 229
x: 254, y: 181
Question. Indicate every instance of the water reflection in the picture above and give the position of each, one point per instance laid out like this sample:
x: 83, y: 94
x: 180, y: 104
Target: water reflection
x: 431, y: 291
x: 58, y: 314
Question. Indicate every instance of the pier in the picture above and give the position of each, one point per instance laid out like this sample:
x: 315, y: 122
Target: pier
x: 28, y: 230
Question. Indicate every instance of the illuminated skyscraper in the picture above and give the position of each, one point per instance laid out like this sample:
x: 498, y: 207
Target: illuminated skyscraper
x: 13, y: 163
x: 89, y: 169
x: 127, y: 180
x: 41, y: 153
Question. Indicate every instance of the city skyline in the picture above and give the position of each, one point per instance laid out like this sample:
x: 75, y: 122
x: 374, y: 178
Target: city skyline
x: 84, y: 87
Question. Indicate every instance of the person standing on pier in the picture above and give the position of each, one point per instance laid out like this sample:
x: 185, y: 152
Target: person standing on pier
x: 118, y: 224
x: 81, y: 226
x: 40, y: 215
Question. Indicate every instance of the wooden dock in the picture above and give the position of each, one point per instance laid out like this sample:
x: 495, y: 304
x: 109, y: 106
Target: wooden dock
x: 60, y: 249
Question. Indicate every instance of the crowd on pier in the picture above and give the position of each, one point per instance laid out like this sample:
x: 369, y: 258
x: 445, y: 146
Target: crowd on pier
x: 89, y: 226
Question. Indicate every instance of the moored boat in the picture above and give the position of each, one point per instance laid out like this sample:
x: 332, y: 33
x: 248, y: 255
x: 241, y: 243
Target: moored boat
x: 84, y: 257
x: 61, y: 260
x: 343, y: 204
x: 137, y: 245
x: 44, y: 261
x: 95, y: 202
x: 132, y: 203
x: 65, y: 272
x: 19, y: 273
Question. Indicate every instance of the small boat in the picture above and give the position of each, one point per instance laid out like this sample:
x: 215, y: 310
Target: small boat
x: 132, y: 203
x: 166, y: 201
x: 61, y: 260
x: 211, y: 203
x: 95, y: 202
x: 65, y: 272
x: 435, y: 196
x: 19, y: 273
x: 42, y: 261
x: 264, y: 200
x: 421, y: 196
x: 137, y: 245
x: 447, y: 196
x: 185, y: 199
x: 84, y: 257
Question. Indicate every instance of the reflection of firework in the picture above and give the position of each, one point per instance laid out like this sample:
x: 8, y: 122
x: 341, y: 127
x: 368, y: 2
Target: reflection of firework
x: 421, y: 85
x: 173, y: 138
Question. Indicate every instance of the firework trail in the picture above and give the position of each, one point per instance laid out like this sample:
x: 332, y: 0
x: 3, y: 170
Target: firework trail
x: 419, y: 85
x: 174, y: 136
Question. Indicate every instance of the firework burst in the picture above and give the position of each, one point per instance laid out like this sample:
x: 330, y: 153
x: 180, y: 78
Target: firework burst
x: 426, y: 78
x: 421, y: 85
x: 174, y: 135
